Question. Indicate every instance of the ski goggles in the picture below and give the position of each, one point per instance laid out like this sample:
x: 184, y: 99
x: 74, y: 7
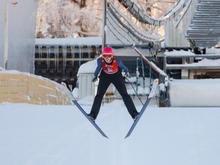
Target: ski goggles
x: 107, y: 55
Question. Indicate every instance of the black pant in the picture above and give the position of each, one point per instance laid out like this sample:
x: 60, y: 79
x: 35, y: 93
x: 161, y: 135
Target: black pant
x: 118, y: 81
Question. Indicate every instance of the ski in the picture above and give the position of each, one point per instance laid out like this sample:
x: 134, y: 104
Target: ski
x: 152, y: 93
x: 153, y: 66
x: 82, y: 110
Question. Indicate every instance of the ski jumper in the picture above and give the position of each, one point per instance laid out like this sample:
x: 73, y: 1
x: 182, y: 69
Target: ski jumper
x: 111, y: 73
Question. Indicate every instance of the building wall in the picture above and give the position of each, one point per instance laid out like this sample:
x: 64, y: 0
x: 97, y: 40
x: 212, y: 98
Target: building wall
x: 21, y: 16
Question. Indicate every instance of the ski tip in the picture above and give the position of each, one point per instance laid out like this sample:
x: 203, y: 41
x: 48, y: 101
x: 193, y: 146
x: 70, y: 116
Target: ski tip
x: 156, y: 81
x: 63, y: 83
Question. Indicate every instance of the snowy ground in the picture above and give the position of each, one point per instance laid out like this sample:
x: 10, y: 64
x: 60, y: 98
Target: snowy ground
x: 61, y: 135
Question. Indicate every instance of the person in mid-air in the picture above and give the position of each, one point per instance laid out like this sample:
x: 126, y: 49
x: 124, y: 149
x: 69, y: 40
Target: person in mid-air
x: 111, y: 68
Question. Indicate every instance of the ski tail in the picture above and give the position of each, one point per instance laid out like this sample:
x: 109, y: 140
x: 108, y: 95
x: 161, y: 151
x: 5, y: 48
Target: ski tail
x: 82, y: 110
x: 138, y: 118
x: 153, y: 66
x: 152, y: 94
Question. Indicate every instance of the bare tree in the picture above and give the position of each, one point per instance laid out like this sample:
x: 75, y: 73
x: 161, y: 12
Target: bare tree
x: 83, y: 18
x: 68, y: 18
x: 81, y: 3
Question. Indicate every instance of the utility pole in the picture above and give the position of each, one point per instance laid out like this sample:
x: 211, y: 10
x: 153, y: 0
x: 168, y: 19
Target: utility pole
x: 6, y: 36
x: 104, y: 28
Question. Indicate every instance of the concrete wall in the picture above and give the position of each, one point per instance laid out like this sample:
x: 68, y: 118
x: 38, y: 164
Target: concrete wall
x: 194, y: 93
x: 20, y: 34
x: 18, y: 87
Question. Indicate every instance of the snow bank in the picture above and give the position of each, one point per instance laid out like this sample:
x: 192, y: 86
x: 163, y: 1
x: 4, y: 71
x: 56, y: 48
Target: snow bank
x: 178, y: 53
x: 194, y: 93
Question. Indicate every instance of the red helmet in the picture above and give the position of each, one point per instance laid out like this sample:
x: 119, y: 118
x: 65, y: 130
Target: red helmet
x: 107, y: 50
x: 107, y: 54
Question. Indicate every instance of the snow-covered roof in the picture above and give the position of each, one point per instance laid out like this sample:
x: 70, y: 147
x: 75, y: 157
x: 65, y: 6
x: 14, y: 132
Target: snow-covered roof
x: 69, y: 41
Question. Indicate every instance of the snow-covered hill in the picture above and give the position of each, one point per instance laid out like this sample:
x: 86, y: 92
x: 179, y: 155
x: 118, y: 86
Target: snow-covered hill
x: 61, y: 135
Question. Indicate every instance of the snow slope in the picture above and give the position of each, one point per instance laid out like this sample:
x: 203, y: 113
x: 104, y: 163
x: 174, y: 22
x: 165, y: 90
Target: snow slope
x: 61, y: 135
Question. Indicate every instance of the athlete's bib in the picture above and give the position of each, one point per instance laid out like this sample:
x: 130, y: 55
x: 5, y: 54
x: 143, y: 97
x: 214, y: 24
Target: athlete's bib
x: 109, y: 69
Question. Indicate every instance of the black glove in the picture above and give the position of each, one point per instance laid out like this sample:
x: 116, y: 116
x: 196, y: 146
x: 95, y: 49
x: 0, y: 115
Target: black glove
x: 94, y: 79
x: 127, y: 74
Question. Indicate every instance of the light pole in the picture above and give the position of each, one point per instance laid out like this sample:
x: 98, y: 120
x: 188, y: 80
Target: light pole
x: 104, y: 28
x: 6, y: 36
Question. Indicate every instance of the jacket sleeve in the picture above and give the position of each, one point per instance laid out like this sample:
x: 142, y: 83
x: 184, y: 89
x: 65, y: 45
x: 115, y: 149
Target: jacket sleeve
x: 121, y: 65
x: 98, y: 68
